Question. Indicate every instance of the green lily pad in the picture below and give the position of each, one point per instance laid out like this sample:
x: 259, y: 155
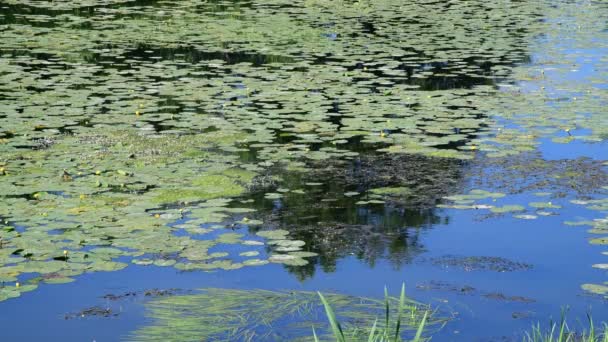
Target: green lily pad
x: 255, y: 262
x: 507, y: 209
x: 249, y: 253
x: 287, y: 259
x: 164, y: 263
x: 595, y: 288
x: 58, y: 280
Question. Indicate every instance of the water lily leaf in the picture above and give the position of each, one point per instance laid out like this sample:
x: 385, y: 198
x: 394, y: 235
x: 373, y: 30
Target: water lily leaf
x: 252, y: 222
x: 229, y: 238
x: 143, y: 262
x: 595, y: 288
x: 27, y: 287
x: 287, y: 259
x: 272, y: 196
x: 392, y: 192
x: 8, y: 293
x: 58, y: 280
x: 255, y: 262
x: 507, y: 209
x: 273, y: 234
x: 599, y: 241
x: 252, y: 243
x: 303, y: 254
x: 107, y: 266
x: 164, y: 262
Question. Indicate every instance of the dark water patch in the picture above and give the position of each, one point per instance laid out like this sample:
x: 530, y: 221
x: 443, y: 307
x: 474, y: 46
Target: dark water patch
x: 151, y: 293
x: 112, y: 309
x: 144, y: 53
x: 522, y: 314
x: 92, y: 18
x: 35, y: 60
x: 368, y: 27
x: 26, y: 8
x: 25, y: 15
x: 134, y: 188
x: 7, y: 135
x: 92, y: 312
x: 432, y: 76
x: 230, y: 9
x: 505, y: 298
x: 435, y: 285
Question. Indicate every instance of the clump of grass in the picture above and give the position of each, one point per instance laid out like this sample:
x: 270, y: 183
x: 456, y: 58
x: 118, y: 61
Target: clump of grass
x: 389, y: 332
x: 562, y: 333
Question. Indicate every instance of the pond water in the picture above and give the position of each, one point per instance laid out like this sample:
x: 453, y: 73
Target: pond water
x: 195, y: 170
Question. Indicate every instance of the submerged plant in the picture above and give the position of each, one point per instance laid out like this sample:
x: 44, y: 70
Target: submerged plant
x: 229, y: 315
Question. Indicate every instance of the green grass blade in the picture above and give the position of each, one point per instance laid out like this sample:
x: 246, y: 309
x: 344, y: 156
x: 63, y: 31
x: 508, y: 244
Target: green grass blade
x: 372, y: 333
x: 387, y: 313
x: 397, y: 337
x: 562, y: 327
x: 591, y: 329
x: 553, y: 326
x: 314, y: 334
x: 418, y: 337
x: 333, y: 321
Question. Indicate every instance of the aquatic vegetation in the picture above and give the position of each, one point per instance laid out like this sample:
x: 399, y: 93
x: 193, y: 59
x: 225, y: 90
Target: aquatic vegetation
x: 507, y: 209
x: 342, y: 228
x: 435, y: 285
x: 123, y: 123
x: 225, y: 314
x: 595, y: 288
x: 391, y: 191
x: 480, y: 263
x: 599, y: 227
x: 379, y: 85
x: 556, y: 333
x: 526, y: 173
x: 211, y: 136
x: 562, y: 333
x: 409, y: 181
x: 475, y: 194
x: 95, y: 311
x: 60, y: 228
x: 391, y: 331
